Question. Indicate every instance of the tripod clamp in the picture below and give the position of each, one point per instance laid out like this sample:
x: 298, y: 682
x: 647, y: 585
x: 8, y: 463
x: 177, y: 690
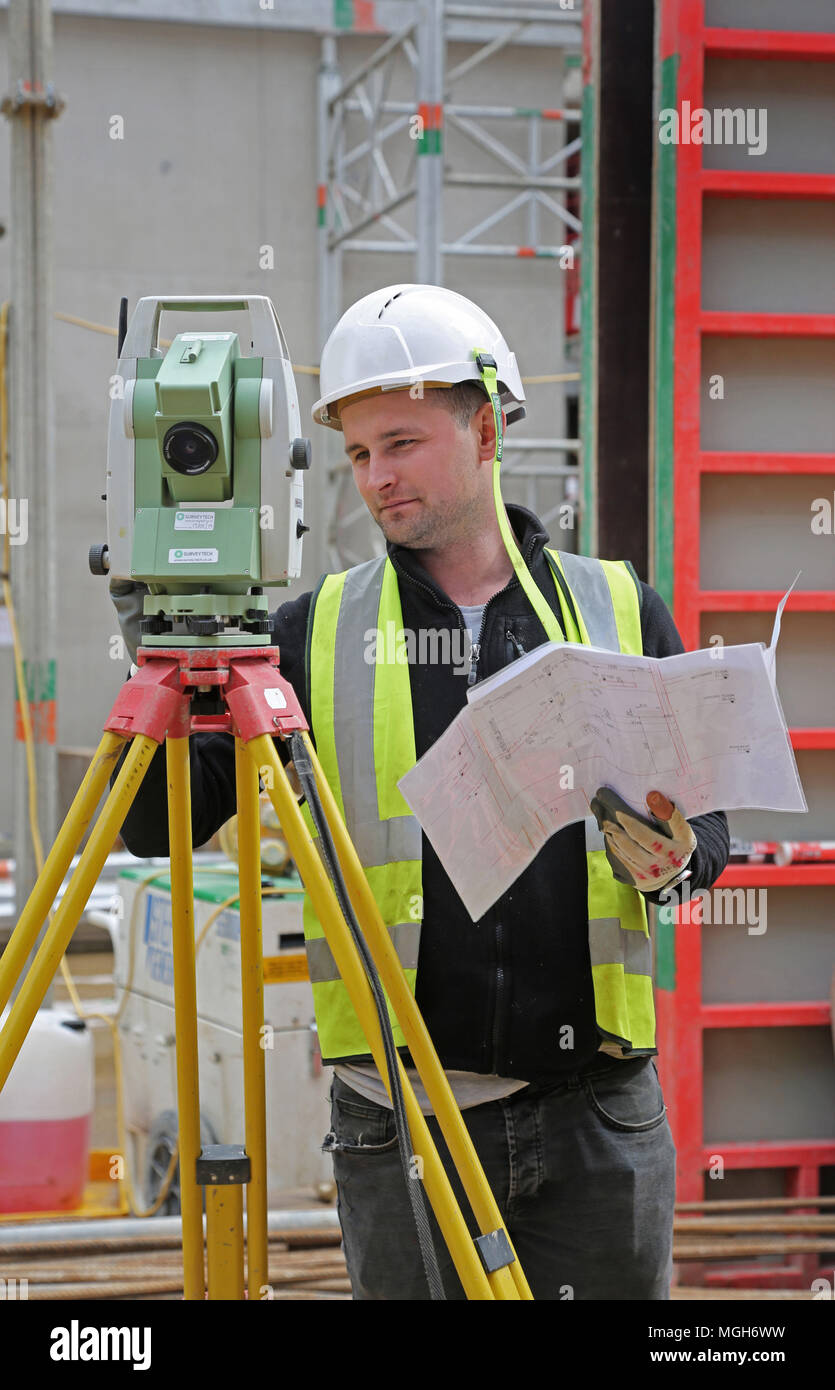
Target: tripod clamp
x: 224, y: 1170
x: 258, y: 698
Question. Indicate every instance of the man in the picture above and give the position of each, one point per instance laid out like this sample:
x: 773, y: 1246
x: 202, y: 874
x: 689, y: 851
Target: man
x: 541, y: 1011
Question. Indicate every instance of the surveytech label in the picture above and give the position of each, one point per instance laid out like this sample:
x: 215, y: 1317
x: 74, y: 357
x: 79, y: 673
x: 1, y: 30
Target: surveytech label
x: 194, y: 521
x: 192, y: 556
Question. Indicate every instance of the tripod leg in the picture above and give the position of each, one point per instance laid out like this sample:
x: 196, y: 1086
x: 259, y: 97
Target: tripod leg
x: 58, y: 861
x: 225, y: 1241
x: 439, y: 1190
x: 185, y: 1013
x: 252, y: 1002
x: 452, y: 1127
x: 58, y: 934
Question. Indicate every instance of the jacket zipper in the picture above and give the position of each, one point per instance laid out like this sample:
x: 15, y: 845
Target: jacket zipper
x: 454, y: 606
x: 511, y: 637
x: 476, y: 652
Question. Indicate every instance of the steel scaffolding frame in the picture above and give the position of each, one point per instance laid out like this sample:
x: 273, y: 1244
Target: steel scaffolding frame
x: 358, y: 190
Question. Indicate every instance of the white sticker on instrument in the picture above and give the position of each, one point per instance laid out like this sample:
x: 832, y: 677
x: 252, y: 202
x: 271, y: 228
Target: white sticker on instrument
x: 275, y: 698
x: 194, y: 521
x: 192, y: 556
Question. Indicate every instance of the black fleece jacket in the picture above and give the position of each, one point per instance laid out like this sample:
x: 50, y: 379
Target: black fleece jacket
x: 496, y: 994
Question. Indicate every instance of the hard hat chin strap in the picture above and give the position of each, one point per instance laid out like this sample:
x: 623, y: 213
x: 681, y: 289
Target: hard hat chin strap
x: 487, y: 368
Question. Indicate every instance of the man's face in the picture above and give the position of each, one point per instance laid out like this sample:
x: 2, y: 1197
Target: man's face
x: 426, y: 482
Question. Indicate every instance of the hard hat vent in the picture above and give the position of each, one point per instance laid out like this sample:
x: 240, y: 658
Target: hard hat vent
x: 388, y: 302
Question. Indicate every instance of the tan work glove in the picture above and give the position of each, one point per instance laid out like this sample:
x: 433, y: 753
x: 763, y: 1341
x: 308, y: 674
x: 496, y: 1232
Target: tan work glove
x: 646, y: 854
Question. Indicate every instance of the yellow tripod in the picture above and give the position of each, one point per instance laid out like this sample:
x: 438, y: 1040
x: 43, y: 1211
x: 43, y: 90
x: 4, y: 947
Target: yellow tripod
x: 155, y: 707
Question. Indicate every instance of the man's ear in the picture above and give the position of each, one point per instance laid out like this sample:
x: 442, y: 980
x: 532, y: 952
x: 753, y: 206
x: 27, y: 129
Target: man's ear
x: 486, y: 428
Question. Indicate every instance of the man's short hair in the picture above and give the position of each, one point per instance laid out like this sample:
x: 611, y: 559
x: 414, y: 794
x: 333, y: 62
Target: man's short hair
x: 462, y: 400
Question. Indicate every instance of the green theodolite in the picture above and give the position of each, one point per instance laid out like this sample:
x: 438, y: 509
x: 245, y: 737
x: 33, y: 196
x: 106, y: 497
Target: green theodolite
x: 205, y: 464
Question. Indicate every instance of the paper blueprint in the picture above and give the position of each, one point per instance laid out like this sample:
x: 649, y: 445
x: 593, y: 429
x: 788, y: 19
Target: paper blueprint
x: 534, y: 743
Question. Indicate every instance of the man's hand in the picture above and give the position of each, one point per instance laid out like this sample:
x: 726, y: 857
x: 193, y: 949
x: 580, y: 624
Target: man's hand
x: 646, y: 854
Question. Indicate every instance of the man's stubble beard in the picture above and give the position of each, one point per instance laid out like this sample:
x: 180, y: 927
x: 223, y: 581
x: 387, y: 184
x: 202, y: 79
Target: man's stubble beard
x: 450, y: 523
x: 440, y: 529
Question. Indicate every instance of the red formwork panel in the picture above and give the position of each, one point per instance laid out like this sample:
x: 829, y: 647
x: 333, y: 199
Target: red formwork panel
x: 682, y: 1015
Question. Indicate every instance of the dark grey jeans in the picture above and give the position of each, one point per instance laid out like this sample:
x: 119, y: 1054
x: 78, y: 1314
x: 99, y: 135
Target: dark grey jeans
x: 583, y: 1171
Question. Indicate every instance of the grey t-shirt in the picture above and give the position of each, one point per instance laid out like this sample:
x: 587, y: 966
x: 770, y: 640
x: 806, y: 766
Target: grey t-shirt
x: 468, y: 1087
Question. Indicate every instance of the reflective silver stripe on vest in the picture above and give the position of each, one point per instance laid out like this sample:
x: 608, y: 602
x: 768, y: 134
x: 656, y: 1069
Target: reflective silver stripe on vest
x: 587, y: 577
x: 594, y: 835
x: 377, y: 842
x: 321, y: 965
x: 612, y: 944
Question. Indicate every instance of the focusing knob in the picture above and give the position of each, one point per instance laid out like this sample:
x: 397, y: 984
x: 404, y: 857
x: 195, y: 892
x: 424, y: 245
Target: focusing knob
x: 152, y: 626
x: 99, y: 559
x: 300, y: 453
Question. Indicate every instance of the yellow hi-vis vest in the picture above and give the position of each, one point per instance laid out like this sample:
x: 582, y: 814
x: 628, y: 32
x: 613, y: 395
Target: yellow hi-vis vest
x: 363, y: 729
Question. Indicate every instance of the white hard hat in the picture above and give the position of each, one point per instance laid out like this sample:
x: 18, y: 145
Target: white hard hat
x: 403, y: 334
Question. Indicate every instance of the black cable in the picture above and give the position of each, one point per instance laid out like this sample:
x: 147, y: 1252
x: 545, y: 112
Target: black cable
x: 414, y: 1183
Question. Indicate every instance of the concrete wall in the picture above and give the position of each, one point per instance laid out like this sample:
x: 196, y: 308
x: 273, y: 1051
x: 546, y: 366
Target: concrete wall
x: 219, y: 158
